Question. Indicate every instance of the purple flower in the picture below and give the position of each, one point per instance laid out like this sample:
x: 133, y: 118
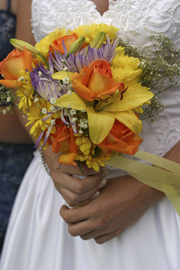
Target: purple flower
x: 44, y: 85
x: 75, y: 62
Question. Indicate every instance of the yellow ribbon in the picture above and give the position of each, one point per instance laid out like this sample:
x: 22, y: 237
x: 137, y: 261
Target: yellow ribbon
x: 165, y: 176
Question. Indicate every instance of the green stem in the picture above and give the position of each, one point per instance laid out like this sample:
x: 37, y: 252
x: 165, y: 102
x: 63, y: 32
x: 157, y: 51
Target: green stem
x: 44, y: 60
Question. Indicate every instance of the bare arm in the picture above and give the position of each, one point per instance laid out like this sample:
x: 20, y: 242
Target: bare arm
x: 24, y: 28
x: 23, y: 32
x: 11, y: 130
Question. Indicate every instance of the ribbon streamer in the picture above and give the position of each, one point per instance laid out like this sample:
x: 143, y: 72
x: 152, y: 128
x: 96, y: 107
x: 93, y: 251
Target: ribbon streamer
x: 164, y: 175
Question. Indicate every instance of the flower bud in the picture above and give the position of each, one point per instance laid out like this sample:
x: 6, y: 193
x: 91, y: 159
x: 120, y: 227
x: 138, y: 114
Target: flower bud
x: 76, y: 45
x: 19, y: 44
x: 98, y: 40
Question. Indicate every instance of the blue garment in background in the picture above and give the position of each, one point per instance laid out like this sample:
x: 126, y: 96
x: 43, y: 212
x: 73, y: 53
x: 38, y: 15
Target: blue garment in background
x: 14, y: 160
x: 7, y: 31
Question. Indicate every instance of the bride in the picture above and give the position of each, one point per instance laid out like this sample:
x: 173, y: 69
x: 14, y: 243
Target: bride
x: 137, y: 226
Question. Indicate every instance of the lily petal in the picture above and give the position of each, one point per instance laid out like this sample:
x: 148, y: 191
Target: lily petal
x: 130, y: 120
x: 75, y: 101
x: 100, y: 124
x: 131, y: 99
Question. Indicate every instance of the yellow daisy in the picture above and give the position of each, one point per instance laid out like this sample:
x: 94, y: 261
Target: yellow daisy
x: 86, y: 152
x: 25, y: 91
x: 125, y: 69
x: 90, y: 31
x: 36, y: 115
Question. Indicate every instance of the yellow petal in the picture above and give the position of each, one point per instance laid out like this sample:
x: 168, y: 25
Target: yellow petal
x: 62, y: 74
x: 100, y: 124
x: 73, y: 100
x: 134, y: 97
x: 95, y: 166
x: 130, y: 120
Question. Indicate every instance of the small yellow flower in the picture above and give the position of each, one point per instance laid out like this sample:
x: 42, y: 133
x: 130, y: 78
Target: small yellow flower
x: 86, y: 152
x: 120, y: 51
x: 25, y: 91
x: 96, y: 162
x: 84, y: 145
x: 90, y: 31
x: 37, y: 112
x: 125, y: 69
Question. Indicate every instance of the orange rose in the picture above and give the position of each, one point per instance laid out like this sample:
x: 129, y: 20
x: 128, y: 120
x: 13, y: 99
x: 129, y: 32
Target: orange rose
x: 64, y: 141
x: 57, y: 45
x: 11, y: 66
x: 95, y: 81
x: 121, y: 139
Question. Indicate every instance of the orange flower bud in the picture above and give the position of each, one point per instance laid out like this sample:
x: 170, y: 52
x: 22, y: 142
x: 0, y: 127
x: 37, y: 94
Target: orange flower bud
x: 65, y: 142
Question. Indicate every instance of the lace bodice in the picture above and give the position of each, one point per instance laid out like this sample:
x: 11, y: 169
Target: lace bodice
x: 136, y: 20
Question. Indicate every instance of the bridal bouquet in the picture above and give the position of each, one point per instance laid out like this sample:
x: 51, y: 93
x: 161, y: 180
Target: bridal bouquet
x: 83, y: 94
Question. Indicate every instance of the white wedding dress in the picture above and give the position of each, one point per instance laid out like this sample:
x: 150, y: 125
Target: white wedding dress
x: 37, y: 237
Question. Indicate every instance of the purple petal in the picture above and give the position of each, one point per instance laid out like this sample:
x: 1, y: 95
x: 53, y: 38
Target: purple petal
x: 39, y: 139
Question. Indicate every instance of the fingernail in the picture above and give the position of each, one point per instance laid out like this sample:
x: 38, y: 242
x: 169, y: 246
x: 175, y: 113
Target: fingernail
x: 105, y: 172
x: 103, y: 183
x: 96, y: 195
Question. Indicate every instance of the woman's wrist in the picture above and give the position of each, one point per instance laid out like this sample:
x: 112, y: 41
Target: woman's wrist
x: 154, y: 195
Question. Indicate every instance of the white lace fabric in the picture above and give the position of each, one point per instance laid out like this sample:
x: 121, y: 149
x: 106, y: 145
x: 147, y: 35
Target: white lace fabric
x: 135, y: 19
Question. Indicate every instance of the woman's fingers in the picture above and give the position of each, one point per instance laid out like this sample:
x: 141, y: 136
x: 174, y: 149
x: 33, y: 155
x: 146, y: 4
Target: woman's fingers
x: 75, y: 191
x: 106, y: 237
x: 77, y: 185
x: 74, y: 199
x: 78, y: 221
x: 73, y: 215
x: 121, y: 203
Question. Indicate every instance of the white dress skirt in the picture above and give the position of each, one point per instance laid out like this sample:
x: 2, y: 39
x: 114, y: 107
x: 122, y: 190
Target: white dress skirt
x: 37, y: 237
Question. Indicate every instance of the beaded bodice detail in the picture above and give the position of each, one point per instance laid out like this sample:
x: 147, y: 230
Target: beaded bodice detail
x: 136, y: 20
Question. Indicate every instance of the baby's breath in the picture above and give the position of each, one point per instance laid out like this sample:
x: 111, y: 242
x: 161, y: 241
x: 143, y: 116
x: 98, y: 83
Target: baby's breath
x: 6, y: 96
x: 160, y: 70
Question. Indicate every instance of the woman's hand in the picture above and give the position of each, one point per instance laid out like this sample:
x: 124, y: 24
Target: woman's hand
x: 121, y: 203
x: 75, y: 191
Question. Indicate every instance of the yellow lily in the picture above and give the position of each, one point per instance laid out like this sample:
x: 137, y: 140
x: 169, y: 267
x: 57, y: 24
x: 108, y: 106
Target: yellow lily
x: 19, y: 44
x: 101, y: 119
